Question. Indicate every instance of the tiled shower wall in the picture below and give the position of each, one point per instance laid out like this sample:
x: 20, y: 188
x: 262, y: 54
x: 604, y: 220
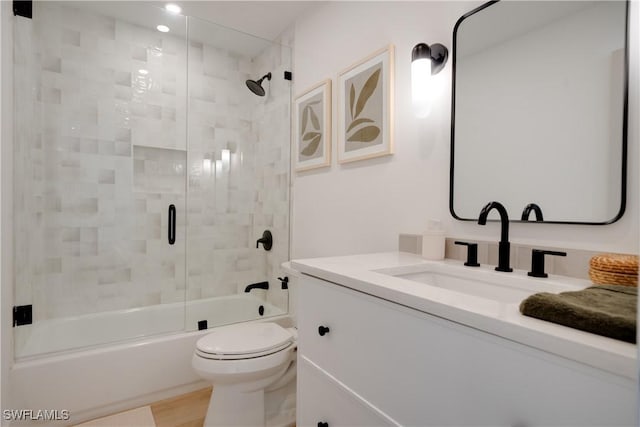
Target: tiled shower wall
x: 102, y: 150
x: 271, y: 132
x: 238, y: 170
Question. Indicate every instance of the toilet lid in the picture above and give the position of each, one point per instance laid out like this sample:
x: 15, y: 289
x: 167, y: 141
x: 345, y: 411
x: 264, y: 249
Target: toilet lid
x: 244, y: 339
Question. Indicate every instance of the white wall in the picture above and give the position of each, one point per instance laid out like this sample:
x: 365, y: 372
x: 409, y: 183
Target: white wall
x: 361, y: 207
x: 6, y: 136
x: 2, y: 41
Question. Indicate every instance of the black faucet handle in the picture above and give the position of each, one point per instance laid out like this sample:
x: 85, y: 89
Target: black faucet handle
x: 266, y: 240
x: 284, y: 281
x: 537, y: 261
x: 472, y: 253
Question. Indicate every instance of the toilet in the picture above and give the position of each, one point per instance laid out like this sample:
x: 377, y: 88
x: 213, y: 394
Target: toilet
x: 252, y: 367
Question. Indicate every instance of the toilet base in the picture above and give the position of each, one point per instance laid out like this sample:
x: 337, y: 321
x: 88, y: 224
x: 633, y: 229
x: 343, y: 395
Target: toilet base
x: 280, y: 406
x: 232, y: 407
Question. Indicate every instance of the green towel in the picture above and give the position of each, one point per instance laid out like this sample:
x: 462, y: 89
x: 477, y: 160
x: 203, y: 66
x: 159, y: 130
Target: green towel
x: 608, y: 310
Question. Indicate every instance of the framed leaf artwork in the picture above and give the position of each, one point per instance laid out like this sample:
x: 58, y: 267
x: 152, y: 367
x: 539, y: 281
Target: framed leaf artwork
x: 312, y: 127
x: 365, y: 108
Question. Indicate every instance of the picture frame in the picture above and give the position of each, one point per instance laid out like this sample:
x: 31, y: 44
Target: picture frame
x: 365, y: 107
x: 312, y: 127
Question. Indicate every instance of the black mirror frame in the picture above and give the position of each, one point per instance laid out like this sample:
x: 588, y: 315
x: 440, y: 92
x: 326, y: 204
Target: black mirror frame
x: 625, y: 124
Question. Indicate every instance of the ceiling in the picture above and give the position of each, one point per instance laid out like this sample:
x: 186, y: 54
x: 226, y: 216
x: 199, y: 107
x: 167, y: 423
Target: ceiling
x: 265, y: 19
x: 256, y: 23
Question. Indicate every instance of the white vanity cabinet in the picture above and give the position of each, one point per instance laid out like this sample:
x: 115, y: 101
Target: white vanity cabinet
x: 381, y: 363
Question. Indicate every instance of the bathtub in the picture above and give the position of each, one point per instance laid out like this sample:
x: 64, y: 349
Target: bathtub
x: 100, y: 379
x: 90, y: 330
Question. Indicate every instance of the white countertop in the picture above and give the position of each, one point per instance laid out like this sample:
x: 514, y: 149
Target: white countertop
x: 498, y: 318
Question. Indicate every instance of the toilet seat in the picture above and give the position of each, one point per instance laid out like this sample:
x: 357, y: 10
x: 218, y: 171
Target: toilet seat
x: 244, y: 341
x: 219, y: 356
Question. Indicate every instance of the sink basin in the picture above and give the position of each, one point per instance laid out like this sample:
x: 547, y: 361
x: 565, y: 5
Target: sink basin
x: 483, y: 289
x: 484, y: 282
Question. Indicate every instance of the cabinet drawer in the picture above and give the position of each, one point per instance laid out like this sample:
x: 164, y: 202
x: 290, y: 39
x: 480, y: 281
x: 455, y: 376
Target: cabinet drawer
x: 423, y: 370
x: 323, y: 400
x: 361, y: 331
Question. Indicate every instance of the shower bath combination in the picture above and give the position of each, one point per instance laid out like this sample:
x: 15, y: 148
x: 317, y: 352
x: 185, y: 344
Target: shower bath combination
x: 107, y: 219
x: 98, y: 245
x: 256, y: 86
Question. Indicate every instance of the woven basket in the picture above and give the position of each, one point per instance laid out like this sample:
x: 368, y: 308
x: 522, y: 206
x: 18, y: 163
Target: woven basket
x: 615, y: 263
x: 606, y: 278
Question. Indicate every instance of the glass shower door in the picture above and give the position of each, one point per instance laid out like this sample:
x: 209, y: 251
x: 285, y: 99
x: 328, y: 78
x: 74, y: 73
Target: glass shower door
x: 238, y: 179
x: 100, y: 174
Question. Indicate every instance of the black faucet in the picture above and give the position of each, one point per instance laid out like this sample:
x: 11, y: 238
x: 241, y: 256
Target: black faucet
x: 266, y: 240
x: 259, y: 285
x: 503, y: 245
x: 532, y: 207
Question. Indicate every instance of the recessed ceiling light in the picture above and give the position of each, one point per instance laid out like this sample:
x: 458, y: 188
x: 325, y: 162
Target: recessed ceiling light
x: 173, y: 8
x: 143, y: 71
x: 162, y: 28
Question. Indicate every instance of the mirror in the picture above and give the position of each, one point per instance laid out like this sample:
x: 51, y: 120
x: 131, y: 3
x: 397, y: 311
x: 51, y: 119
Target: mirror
x: 539, y: 110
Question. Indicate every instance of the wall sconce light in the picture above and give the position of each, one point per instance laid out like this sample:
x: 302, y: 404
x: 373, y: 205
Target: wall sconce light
x: 426, y: 61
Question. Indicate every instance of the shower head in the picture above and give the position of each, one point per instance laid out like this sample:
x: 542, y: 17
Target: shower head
x: 256, y: 86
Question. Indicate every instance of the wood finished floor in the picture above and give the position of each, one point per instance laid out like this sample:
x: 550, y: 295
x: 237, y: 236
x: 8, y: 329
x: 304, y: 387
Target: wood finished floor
x: 187, y: 410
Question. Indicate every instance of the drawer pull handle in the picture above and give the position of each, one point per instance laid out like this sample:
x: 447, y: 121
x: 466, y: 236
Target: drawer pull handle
x: 323, y: 330
x: 323, y: 424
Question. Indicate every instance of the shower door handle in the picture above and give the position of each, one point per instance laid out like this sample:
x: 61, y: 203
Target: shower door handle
x: 171, y: 234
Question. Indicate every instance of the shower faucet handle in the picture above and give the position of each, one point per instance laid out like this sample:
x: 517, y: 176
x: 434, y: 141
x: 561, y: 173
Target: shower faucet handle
x: 266, y: 240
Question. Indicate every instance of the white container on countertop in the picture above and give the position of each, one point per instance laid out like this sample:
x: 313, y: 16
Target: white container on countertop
x: 433, y: 241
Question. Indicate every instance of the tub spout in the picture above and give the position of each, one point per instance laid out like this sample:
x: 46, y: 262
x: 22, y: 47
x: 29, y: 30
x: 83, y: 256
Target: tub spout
x: 259, y: 285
